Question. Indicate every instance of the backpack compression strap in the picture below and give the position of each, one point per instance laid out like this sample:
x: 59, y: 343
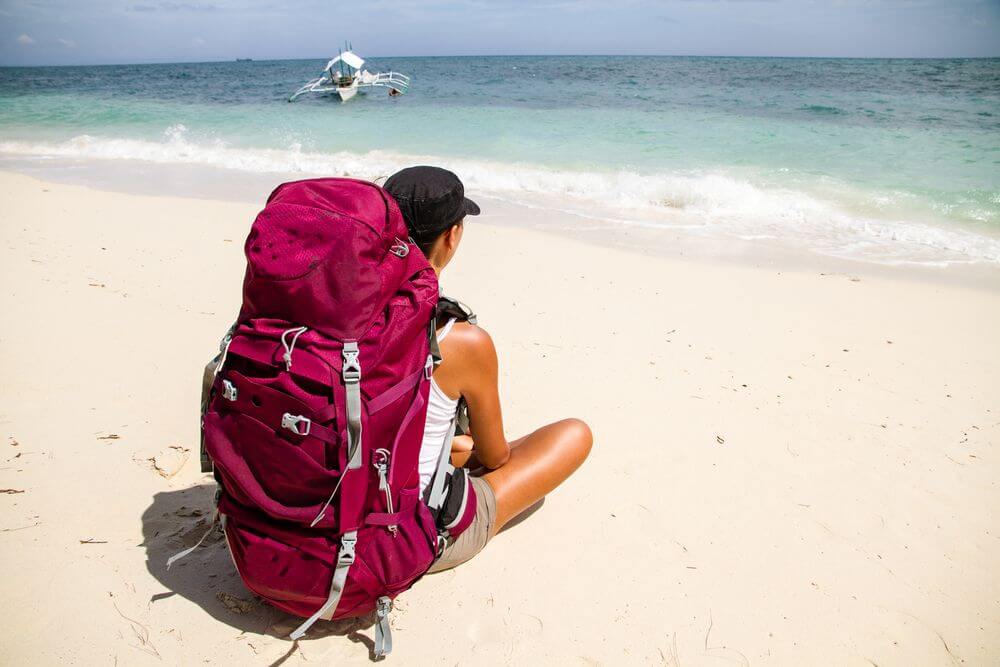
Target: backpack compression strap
x: 345, y: 558
x: 351, y: 372
x: 208, y: 377
x: 352, y: 385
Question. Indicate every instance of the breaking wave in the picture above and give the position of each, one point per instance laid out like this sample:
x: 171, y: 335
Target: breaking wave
x: 713, y: 203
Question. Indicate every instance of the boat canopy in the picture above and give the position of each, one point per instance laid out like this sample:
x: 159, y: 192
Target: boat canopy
x: 349, y: 58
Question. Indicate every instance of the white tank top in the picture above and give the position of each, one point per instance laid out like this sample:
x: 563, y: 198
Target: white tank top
x: 440, y: 412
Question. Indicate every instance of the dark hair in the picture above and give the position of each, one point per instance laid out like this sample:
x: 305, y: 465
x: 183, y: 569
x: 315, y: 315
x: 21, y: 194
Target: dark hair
x: 425, y: 244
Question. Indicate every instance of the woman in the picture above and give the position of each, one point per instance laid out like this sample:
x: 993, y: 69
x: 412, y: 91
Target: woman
x: 507, y: 477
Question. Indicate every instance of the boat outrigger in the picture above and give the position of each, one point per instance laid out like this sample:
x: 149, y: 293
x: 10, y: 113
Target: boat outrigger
x: 344, y: 75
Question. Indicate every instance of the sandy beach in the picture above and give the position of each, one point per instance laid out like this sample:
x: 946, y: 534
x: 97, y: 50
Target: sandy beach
x: 792, y: 465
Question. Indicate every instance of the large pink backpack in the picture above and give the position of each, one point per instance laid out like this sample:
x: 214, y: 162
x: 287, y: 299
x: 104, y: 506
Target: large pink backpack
x: 316, y: 414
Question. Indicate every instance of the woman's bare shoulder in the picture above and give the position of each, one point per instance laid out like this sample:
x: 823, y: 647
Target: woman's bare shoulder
x: 469, y: 361
x: 470, y: 340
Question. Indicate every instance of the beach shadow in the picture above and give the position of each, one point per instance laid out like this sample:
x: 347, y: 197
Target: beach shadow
x: 178, y: 519
x: 522, y: 516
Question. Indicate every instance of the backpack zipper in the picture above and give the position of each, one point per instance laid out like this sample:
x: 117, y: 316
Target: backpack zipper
x: 381, y: 462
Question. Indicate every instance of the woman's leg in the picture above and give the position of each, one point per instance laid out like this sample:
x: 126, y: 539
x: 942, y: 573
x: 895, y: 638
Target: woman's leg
x: 539, y: 462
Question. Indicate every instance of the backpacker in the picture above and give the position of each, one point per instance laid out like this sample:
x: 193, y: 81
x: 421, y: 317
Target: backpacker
x: 316, y: 411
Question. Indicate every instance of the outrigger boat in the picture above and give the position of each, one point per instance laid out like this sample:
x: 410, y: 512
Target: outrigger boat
x: 344, y: 75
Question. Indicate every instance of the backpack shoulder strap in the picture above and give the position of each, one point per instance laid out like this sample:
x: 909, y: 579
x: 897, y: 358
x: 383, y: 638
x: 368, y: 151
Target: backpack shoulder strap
x: 447, y: 307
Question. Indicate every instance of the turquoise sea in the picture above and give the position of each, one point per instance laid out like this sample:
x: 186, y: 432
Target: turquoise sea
x: 892, y: 161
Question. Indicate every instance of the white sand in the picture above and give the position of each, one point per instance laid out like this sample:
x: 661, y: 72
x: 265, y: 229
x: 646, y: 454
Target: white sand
x: 789, y: 467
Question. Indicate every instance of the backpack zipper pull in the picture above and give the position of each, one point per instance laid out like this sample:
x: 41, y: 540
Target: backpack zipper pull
x: 381, y: 463
x: 287, y: 356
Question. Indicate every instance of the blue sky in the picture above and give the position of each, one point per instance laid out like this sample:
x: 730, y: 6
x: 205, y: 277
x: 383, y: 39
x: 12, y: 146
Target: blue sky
x: 110, y: 31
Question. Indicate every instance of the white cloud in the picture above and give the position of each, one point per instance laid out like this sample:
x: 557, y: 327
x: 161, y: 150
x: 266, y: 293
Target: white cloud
x: 25, y: 40
x: 198, y: 41
x: 68, y: 43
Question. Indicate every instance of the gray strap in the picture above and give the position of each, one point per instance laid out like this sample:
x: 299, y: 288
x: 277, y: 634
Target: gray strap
x: 383, y: 633
x: 351, y: 373
x: 437, y: 495
x: 208, y: 379
x: 224, y: 347
x: 345, y: 558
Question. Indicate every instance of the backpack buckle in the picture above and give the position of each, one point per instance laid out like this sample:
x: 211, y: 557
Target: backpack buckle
x: 351, y: 370
x: 229, y: 391
x: 292, y: 423
x: 347, y: 543
x: 442, y: 542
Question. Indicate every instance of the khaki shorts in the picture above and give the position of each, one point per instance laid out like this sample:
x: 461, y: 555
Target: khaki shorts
x: 472, y: 540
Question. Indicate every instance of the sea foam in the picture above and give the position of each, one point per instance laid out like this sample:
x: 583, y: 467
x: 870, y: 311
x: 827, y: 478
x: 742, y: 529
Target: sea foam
x: 713, y: 203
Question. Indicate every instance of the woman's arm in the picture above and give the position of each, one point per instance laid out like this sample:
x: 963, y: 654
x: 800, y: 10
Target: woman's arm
x: 520, y: 475
x: 470, y: 369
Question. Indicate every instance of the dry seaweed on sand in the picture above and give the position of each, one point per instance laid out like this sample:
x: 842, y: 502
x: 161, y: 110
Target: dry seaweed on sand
x: 234, y: 604
x: 10, y: 530
x: 141, y: 634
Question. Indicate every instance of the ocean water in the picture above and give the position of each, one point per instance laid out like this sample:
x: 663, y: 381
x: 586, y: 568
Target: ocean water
x: 893, y: 161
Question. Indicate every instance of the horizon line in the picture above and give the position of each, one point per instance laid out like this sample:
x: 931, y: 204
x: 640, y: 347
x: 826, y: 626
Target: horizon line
x: 510, y: 55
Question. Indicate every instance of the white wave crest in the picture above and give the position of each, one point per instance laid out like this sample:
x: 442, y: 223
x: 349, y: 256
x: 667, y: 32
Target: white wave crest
x: 715, y: 203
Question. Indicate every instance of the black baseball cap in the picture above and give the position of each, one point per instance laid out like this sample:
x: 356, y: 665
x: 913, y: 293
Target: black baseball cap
x: 431, y: 200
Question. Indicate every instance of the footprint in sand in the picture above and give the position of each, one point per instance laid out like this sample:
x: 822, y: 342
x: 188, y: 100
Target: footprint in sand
x: 500, y: 634
x: 168, y: 461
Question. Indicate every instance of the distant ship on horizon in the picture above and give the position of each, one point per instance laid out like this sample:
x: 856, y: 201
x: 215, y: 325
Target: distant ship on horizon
x: 244, y: 60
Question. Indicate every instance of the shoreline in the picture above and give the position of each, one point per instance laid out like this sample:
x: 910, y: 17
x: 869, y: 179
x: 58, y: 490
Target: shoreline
x: 210, y: 183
